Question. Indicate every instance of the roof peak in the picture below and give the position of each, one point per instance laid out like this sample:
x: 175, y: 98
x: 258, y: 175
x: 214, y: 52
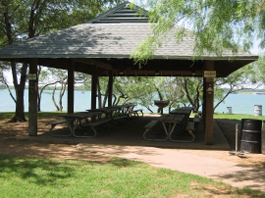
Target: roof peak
x: 123, y: 13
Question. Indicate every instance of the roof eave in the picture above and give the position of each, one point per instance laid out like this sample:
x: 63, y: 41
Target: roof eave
x: 54, y: 56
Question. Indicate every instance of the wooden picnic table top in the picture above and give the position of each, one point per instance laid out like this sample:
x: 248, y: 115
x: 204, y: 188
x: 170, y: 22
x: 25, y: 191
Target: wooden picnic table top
x: 80, y: 115
x: 112, y: 108
x: 104, y: 109
x: 182, y: 110
x: 171, y: 118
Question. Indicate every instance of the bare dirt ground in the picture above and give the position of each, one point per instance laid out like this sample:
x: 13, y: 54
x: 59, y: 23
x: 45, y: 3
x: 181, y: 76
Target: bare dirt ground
x: 12, y: 146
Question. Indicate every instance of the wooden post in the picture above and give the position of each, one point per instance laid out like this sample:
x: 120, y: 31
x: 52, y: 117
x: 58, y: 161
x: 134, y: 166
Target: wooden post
x: 110, y: 88
x: 204, y: 102
x: 94, y: 90
x: 209, y: 103
x: 33, y: 91
x: 70, y: 97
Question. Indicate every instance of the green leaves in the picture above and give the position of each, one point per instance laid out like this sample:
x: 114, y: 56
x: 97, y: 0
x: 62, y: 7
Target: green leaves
x: 218, y: 25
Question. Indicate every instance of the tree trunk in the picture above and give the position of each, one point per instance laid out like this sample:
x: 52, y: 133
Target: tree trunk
x: 63, y: 88
x: 53, y: 99
x: 20, y: 114
x: 148, y: 108
x: 41, y: 91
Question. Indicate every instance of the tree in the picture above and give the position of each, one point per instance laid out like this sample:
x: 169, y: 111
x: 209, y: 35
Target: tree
x: 29, y: 18
x: 236, y: 81
x: 144, y: 90
x: 192, y: 90
x: 57, y: 80
x: 217, y: 25
x: 138, y: 90
x: 258, y: 76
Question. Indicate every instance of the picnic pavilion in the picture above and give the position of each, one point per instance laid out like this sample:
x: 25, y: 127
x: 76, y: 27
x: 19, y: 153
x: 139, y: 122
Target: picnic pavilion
x: 103, y: 46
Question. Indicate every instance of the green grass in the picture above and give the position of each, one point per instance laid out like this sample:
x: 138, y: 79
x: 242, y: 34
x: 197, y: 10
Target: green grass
x: 238, y: 117
x: 29, y: 177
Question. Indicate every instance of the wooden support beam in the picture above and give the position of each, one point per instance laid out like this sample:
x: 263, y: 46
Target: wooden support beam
x: 94, y: 63
x: 204, y: 103
x: 33, y: 91
x: 110, y: 88
x: 70, y: 96
x: 209, y: 103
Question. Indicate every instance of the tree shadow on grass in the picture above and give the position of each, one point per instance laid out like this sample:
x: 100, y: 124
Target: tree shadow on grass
x: 49, y: 171
x: 121, y: 162
x: 39, y: 171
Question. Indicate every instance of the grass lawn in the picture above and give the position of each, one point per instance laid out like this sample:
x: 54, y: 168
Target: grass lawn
x: 238, y: 117
x: 30, y: 177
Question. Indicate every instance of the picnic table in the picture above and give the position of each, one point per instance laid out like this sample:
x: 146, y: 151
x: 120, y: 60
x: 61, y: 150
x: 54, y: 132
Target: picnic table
x: 112, y: 112
x: 169, y: 122
x: 119, y: 111
x: 90, y: 119
x: 186, y: 111
x: 93, y: 118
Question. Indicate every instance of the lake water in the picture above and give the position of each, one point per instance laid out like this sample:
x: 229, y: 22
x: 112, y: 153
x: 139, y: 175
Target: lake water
x: 240, y: 103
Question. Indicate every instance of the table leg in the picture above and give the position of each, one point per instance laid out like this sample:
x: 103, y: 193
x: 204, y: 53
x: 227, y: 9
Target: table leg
x: 166, y: 130
x: 72, y: 126
x: 171, y: 132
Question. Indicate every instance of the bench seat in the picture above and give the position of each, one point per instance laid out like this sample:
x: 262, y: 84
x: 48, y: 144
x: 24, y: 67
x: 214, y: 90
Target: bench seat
x: 72, y: 127
x: 148, y: 128
x: 92, y: 126
x: 54, y: 123
x: 115, y: 118
x: 190, y: 127
x: 150, y: 124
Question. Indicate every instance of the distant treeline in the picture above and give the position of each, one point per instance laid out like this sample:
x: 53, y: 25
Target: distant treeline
x: 248, y: 90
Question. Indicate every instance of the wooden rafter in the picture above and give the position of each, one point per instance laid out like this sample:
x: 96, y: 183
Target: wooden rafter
x: 94, y: 63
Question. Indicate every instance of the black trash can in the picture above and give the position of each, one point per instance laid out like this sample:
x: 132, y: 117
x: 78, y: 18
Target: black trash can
x: 251, y: 136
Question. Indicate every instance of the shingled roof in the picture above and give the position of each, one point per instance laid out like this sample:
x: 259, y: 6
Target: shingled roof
x: 125, y: 12
x: 110, y: 39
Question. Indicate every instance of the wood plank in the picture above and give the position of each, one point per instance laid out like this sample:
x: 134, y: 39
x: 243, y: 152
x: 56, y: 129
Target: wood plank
x: 99, y: 122
x: 94, y: 63
x: 150, y: 124
x: 179, y: 117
